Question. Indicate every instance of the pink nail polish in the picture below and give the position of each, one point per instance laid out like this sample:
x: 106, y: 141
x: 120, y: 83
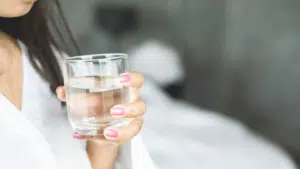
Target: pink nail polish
x: 111, y: 133
x: 125, y: 78
x: 117, y: 111
x: 78, y: 136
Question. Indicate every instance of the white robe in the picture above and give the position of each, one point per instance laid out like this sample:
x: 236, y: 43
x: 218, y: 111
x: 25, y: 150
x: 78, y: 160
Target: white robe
x: 40, y: 137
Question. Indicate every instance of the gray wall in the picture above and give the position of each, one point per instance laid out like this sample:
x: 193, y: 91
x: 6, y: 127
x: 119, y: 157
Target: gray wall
x: 261, y: 66
x: 204, y: 30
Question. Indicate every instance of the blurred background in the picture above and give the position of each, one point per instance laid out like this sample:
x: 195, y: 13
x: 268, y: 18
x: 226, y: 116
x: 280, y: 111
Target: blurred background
x: 240, y: 58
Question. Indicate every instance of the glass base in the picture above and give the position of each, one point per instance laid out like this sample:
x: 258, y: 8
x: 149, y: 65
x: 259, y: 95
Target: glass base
x: 92, y: 130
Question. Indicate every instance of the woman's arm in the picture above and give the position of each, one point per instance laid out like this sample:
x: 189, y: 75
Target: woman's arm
x: 102, y: 155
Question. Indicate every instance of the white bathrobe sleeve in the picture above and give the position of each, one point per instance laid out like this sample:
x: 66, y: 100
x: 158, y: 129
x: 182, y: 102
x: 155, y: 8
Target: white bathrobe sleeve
x: 21, y: 144
x: 134, y: 155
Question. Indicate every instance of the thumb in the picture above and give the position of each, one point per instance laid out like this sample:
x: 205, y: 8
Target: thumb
x: 61, y: 93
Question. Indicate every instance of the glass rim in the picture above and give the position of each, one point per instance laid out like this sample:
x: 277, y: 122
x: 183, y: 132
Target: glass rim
x: 90, y: 57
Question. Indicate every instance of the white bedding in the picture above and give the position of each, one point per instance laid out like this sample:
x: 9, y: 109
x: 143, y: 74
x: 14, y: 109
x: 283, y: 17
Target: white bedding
x: 178, y: 136
x: 181, y: 136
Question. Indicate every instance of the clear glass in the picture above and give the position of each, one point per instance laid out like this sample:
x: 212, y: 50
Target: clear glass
x: 93, y: 88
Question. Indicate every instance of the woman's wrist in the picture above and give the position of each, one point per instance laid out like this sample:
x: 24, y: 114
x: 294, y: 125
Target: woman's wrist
x: 102, y: 154
x: 105, y: 143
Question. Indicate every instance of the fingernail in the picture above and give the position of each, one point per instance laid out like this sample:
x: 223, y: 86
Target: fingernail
x: 125, y: 78
x: 111, y: 133
x: 117, y: 111
x: 78, y: 136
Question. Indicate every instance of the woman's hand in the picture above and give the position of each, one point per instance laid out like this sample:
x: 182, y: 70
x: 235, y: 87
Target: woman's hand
x: 135, y: 110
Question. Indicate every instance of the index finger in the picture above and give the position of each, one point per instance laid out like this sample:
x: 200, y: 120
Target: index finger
x: 132, y: 79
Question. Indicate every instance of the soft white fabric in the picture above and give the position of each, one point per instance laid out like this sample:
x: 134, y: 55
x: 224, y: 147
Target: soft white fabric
x: 157, y: 61
x: 40, y: 136
x: 180, y: 135
x: 21, y: 144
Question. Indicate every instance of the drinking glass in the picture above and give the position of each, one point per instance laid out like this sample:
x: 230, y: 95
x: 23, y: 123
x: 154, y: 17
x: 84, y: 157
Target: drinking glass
x: 93, y: 87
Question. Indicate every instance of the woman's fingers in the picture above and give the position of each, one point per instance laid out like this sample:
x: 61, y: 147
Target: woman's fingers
x: 79, y: 136
x: 96, y: 139
x: 134, y: 94
x: 61, y: 93
x: 135, y: 108
x: 130, y: 110
x: 132, y: 79
x: 122, y: 135
x: 115, y: 135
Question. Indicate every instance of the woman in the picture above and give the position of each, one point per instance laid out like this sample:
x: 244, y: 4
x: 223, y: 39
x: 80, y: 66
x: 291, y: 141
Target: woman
x: 30, y: 74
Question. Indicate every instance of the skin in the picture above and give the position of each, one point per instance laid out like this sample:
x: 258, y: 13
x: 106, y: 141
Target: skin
x: 106, y: 147
x: 15, y: 8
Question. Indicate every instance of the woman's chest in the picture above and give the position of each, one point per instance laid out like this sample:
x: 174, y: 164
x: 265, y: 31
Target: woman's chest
x: 46, y: 113
x: 11, y: 87
x: 39, y: 104
x: 42, y: 114
x: 11, y: 73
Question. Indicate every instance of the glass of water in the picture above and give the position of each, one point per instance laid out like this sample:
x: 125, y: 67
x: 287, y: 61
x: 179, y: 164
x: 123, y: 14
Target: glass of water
x: 93, y: 88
